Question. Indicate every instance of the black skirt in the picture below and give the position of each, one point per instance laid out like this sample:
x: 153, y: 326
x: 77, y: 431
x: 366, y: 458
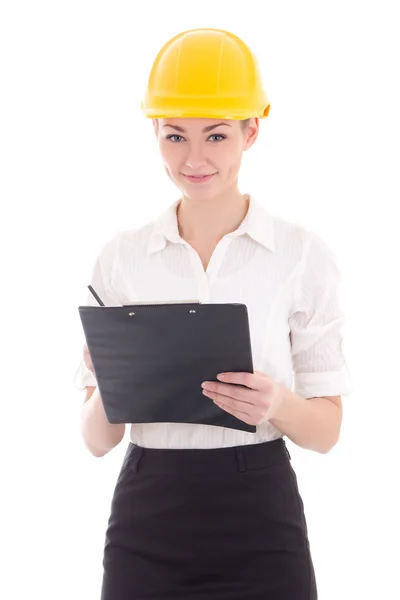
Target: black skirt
x: 219, y: 524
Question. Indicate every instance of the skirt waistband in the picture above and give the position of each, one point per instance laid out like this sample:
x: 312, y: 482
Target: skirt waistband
x: 215, y: 460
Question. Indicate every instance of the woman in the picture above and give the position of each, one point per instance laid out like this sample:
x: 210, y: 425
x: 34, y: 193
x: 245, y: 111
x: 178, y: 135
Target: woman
x: 201, y: 511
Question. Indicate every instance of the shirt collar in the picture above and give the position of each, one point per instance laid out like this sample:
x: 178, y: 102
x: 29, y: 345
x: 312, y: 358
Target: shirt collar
x: 258, y: 224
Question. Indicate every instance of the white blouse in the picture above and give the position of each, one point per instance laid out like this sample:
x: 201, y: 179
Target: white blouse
x: 285, y: 274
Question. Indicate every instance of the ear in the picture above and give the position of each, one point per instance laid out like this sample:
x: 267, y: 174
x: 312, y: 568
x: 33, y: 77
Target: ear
x: 251, y: 133
x: 156, y: 126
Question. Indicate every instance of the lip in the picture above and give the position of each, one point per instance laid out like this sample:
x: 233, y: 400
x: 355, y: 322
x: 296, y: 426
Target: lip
x: 198, y: 179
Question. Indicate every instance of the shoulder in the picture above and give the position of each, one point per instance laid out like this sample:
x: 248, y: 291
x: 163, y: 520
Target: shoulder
x: 300, y: 239
x: 126, y: 242
x: 291, y: 240
x: 305, y: 256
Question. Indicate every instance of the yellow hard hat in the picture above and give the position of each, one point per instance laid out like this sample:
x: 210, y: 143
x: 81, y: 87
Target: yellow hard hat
x: 207, y: 73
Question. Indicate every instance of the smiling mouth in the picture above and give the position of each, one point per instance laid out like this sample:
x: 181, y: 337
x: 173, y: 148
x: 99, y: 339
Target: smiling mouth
x: 198, y: 177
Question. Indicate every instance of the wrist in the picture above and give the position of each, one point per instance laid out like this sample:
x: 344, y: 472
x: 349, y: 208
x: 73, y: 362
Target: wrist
x: 287, y: 405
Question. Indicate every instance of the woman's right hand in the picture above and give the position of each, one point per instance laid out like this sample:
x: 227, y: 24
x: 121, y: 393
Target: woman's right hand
x: 87, y: 359
x: 99, y: 435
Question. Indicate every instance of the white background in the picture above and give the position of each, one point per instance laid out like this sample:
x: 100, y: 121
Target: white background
x: 79, y: 163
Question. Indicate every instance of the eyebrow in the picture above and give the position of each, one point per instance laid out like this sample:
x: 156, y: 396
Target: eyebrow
x: 205, y: 130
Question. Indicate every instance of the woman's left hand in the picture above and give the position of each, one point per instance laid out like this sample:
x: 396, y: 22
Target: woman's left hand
x: 254, y: 405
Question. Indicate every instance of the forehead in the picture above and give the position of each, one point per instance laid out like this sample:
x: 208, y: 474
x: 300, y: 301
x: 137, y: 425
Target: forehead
x: 196, y: 124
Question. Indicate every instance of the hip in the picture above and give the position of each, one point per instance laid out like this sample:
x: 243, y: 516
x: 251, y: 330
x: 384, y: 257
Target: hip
x: 208, y: 523
x: 239, y: 488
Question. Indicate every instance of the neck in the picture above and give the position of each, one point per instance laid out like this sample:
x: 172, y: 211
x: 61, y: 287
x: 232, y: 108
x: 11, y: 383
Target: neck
x: 209, y: 221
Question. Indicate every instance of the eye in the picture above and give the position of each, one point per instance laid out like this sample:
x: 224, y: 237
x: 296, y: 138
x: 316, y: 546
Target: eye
x: 173, y: 137
x: 217, y: 135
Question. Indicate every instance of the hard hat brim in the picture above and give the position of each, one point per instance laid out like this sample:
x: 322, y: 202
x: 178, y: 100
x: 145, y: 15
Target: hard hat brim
x: 201, y: 112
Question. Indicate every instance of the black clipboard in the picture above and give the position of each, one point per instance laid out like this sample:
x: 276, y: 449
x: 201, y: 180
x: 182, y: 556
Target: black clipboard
x: 150, y: 360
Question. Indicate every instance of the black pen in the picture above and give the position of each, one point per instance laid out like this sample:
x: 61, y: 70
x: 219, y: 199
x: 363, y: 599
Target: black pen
x: 99, y: 300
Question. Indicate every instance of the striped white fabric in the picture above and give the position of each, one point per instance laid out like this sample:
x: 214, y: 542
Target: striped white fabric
x: 285, y: 274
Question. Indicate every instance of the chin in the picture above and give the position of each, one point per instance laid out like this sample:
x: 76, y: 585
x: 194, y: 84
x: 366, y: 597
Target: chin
x: 201, y: 195
x: 197, y: 191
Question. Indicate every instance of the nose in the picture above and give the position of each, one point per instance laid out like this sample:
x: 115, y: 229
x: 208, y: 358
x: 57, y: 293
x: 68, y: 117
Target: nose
x: 195, y: 159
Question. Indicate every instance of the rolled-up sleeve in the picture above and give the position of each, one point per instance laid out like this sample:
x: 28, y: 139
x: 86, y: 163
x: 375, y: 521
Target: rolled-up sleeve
x: 99, y: 281
x: 318, y: 362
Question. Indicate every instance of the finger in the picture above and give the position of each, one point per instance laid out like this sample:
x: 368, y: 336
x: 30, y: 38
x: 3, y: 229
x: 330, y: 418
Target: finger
x: 250, y: 380
x: 243, y: 416
x: 232, y: 403
x: 235, y: 392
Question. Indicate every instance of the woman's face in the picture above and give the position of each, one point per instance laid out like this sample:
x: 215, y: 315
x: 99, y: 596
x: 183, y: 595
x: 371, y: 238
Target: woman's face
x: 203, y: 156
